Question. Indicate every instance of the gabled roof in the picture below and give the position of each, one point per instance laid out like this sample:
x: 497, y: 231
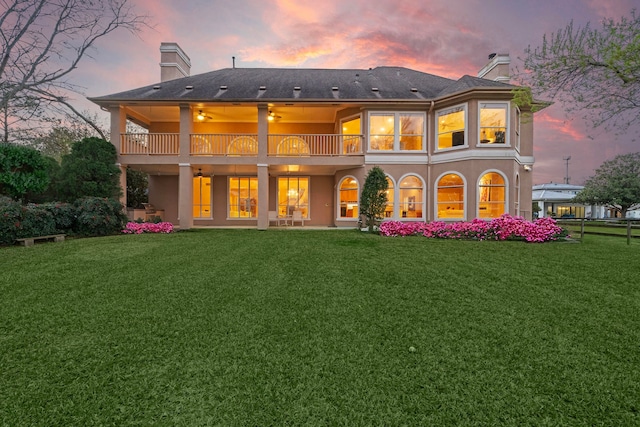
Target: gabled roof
x: 274, y: 84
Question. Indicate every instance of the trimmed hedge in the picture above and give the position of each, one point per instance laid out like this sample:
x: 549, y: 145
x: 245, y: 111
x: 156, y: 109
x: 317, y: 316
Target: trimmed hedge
x: 89, y: 216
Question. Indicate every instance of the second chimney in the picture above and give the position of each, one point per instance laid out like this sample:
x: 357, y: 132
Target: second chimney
x: 174, y: 63
x: 497, y: 69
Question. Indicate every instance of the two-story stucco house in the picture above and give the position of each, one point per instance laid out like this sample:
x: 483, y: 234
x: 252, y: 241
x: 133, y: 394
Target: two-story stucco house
x: 249, y: 146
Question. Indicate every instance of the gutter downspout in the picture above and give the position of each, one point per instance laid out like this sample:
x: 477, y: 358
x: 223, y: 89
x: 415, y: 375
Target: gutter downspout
x: 429, y: 212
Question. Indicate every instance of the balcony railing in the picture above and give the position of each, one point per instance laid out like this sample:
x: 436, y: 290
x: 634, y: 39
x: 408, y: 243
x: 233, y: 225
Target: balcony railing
x: 285, y: 145
x: 304, y: 145
x: 224, y: 144
x: 149, y: 143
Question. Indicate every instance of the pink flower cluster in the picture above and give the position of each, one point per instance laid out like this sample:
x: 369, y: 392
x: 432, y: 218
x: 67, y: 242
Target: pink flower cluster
x: 148, y: 227
x: 502, y: 228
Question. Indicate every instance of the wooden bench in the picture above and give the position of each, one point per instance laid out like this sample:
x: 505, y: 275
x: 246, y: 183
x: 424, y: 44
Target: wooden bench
x: 29, y: 241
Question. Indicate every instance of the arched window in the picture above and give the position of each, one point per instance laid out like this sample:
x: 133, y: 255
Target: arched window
x: 450, y: 203
x: 411, y: 199
x: 388, y: 211
x: 348, y: 193
x: 492, y: 195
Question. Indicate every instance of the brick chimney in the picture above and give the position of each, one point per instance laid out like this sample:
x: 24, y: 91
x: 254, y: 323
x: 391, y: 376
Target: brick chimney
x: 174, y: 63
x: 497, y: 69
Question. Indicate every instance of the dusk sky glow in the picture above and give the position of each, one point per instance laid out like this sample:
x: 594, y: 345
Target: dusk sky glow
x: 449, y: 38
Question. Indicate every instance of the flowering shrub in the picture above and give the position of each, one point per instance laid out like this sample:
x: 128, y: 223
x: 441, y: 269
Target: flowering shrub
x: 148, y: 227
x: 502, y: 228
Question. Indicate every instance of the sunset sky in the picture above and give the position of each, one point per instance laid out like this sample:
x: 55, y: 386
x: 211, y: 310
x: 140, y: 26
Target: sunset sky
x: 449, y: 38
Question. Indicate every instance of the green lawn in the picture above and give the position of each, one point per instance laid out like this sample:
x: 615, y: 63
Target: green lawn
x: 335, y: 327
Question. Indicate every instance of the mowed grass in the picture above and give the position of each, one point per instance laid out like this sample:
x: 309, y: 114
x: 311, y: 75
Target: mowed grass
x: 336, y: 327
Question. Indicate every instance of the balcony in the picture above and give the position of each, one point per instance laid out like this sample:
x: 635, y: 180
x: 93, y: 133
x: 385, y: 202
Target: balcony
x: 157, y: 144
x: 305, y: 145
x: 242, y: 145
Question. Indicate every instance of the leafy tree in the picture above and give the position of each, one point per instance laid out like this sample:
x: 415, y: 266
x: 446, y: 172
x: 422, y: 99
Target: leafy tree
x: 616, y: 184
x: 373, y: 199
x: 22, y: 170
x: 41, y: 43
x: 89, y: 170
x: 592, y: 71
x: 137, y: 188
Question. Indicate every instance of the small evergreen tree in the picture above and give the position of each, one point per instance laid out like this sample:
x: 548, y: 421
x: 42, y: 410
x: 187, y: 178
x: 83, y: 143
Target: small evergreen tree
x: 373, y: 199
x: 89, y: 171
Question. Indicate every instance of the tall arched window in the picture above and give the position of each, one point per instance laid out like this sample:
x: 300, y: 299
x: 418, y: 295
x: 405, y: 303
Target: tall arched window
x: 492, y: 195
x: 411, y: 199
x: 348, y: 194
x: 388, y: 211
x: 450, y: 197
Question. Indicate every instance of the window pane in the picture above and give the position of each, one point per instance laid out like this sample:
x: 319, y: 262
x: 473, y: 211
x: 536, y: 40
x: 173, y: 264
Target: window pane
x: 411, y: 131
x: 492, y: 193
x: 351, y: 144
x: 451, y: 129
x: 381, y: 131
x: 293, y: 195
x: 410, y: 202
x: 243, y: 197
x: 202, y: 197
x: 388, y: 211
x: 493, y: 123
x: 451, y: 197
x: 349, y: 198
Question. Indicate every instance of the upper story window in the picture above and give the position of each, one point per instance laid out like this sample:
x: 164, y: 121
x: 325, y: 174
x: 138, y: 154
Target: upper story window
x: 452, y: 127
x: 351, y: 135
x: 493, y: 122
x: 401, y: 131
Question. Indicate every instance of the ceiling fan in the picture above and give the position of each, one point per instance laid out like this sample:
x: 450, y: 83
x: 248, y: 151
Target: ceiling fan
x: 272, y: 116
x: 203, y: 116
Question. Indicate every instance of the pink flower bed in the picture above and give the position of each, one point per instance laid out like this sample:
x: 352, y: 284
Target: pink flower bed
x: 148, y: 227
x: 502, y: 228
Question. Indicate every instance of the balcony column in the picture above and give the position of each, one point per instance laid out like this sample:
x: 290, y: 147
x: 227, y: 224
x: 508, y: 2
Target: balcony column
x: 263, y: 167
x: 186, y: 129
x: 118, y: 126
x: 185, y: 178
x: 185, y: 196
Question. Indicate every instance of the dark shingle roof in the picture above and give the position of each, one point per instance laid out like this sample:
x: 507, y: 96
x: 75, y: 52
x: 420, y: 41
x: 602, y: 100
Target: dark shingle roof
x: 272, y: 84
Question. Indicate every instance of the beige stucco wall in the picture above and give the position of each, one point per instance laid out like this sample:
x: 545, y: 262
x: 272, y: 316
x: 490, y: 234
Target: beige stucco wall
x: 163, y: 194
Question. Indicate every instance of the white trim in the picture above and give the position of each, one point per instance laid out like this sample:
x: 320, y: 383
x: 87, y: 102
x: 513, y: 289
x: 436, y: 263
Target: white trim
x: 481, y: 154
x: 464, y: 197
x: 507, y: 136
x: 184, y: 165
x: 395, y: 198
x: 424, y: 198
x: 174, y: 48
x: 175, y: 65
x: 449, y: 110
x: 395, y: 159
x: 499, y: 59
x: 506, y: 190
x: 339, y: 217
x: 396, y: 131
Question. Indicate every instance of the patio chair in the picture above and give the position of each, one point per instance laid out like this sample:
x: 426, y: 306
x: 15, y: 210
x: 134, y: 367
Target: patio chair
x: 273, y: 217
x: 297, y: 217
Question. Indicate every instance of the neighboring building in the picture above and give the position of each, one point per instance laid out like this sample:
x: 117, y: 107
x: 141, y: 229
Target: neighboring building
x: 243, y: 146
x: 555, y: 200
